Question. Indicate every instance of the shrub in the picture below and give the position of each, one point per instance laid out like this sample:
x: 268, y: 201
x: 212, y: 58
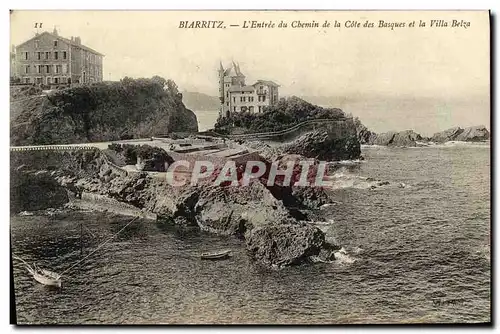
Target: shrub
x: 286, y: 113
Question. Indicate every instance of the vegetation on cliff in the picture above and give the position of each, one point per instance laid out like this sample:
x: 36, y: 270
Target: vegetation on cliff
x: 130, y: 108
x: 286, y: 113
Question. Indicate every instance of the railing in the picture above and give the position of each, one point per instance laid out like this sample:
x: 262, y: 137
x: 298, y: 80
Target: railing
x: 52, y: 148
x: 266, y: 135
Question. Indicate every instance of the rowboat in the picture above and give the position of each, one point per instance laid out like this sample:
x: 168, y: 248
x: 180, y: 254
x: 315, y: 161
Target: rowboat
x: 45, y: 277
x: 217, y: 255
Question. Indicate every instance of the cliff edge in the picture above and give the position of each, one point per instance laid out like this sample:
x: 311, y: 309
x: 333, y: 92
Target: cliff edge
x: 104, y: 111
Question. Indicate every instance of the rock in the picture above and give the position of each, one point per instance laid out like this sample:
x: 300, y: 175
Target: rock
x: 407, y: 138
x: 323, y: 145
x: 384, y: 139
x: 99, y: 112
x: 311, y: 197
x: 474, y: 133
x: 365, y: 136
x: 234, y: 210
x: 273, y: 232
x: 284, y: 244
x: 447, y: 135
x: 31, y: 191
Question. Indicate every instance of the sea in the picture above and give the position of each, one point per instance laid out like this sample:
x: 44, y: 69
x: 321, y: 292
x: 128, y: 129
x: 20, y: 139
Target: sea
x: 415, y: 250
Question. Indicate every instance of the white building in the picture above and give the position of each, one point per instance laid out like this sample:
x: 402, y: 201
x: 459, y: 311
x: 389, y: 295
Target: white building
x: 236, y: 96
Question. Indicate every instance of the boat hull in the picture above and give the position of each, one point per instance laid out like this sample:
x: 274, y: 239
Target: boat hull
x: 216, y: 256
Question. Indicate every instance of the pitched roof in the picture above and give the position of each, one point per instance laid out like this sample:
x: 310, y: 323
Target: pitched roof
x: 65, y: 40
x: 235, y: 88
x: 266, y: 82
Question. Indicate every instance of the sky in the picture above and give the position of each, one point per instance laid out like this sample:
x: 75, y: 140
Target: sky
x: 447, y: 64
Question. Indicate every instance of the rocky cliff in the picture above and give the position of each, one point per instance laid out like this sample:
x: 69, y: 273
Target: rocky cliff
x: 472, y: 133
x: 274, y: 233
x: 410, y: 138
x: 100, y: 112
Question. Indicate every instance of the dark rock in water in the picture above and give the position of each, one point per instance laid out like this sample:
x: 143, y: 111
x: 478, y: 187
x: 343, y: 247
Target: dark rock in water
x: 284, y: 244
x: 384, y: 139
x: 322, y: 145
x: 31, y: 191
x: 447, y: 135
x: 472, y: 133
x: 312, y: 197
x: 234, y: 210
x: 405, y: 138
x: 365, y: 136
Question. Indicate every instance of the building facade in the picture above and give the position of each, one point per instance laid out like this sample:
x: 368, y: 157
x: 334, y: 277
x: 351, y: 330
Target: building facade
x: 236, y: 96
x: 13, y: 66
x: 49, y: 59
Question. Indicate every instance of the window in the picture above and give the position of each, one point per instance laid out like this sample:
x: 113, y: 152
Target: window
x: 65, y: 68
x: 56, y: 55
x: 47, y: 55
x: 227, y: 103
x: 39, y: 80
x: 260, y: 108
x: 26, y: 69
x: 263, y: 98
x: 64, y: 55
x: 39, y: 68
x: 227, y: 94
x: 47, y: 68
x: 250, y: 99
x: 56, y: 80
x: 55, y: 43
x: 36, y: 43
x: 26, y: 57
x: 27, y: 80
x: 234, y: 99
x: 234, y: 109
x: 39, y: 55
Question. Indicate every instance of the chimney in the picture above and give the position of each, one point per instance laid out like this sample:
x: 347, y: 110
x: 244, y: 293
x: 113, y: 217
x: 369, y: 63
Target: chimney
x: 78, y: 40
x: 55, y: 31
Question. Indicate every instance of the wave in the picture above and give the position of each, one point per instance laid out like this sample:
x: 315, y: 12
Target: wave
x: 452, y: 143
x: 342, y: 257
x: 347, y: 162
x: 342, y: 179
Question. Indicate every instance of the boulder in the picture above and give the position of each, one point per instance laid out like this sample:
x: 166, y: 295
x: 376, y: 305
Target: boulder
x: 384, y: 139
x: 406, y: 138
x: 322, y: 145
x: 474, y: 133
x: 286, y: 244
x: 31, y: 191
x: 447, y: 135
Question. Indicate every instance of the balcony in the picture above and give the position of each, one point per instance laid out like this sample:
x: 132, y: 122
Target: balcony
x: 261, y: 92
